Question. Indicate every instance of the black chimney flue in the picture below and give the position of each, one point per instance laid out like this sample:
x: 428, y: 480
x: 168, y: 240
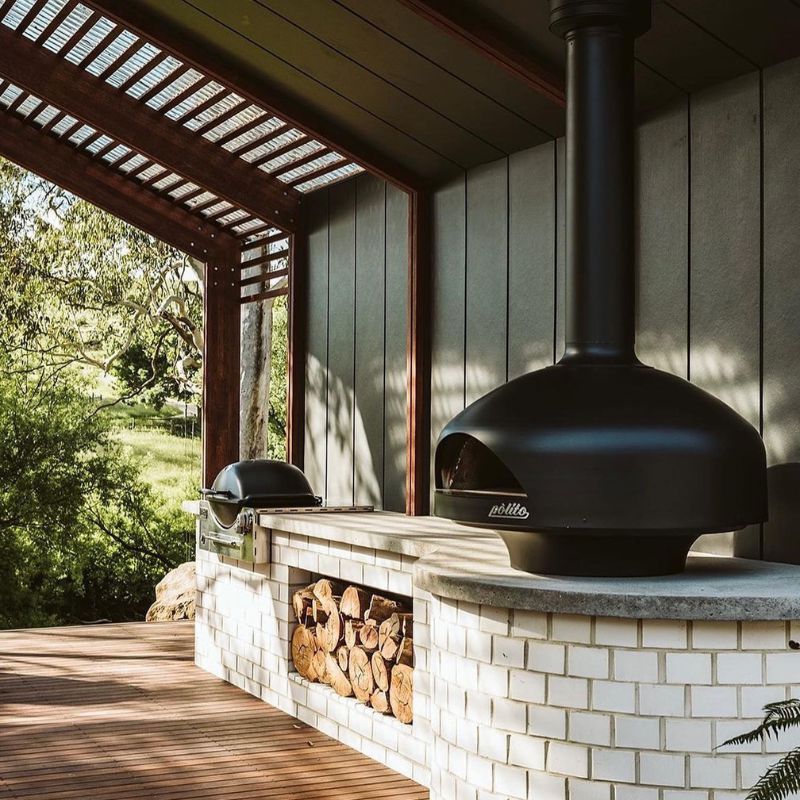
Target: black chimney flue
x: 600, y: 465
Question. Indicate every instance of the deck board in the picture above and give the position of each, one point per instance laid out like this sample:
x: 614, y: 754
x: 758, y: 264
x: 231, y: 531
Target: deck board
x: 120, y: 712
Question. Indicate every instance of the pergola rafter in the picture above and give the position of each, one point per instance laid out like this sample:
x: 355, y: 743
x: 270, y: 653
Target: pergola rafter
x: 78, y: 173
x: 93, y: 102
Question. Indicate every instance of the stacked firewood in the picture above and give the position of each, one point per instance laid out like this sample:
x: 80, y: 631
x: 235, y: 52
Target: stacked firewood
x: 357, y: 642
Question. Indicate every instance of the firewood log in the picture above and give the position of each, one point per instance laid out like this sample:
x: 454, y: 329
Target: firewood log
x: 380, y: 702
x: 405, y: 653
x: 320, y: 610
x: 320, y: 666
x: 331, y: 634
x: 380, y: 671
x: 389, y: 627
x: 351, y: 629
x: 360, y: 673
x: 381, y: 608
x: 368, y: 636
x: 355, y: 602
x: 303, y: 649
x: 401, y: 692
x: 301, y: 602
x: 325, y: 589
x: 391, y: 645
x: 343, y: 657
x: 336, y: 678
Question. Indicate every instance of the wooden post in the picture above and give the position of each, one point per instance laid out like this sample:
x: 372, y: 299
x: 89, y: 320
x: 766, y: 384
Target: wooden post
x: 296, y: 377
x: 418, y: 372
x: 221, y: 338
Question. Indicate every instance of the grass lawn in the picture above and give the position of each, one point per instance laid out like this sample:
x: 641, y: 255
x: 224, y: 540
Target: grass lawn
x: 171, y: 464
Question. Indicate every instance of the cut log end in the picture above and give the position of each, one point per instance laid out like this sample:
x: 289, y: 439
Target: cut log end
x: 401, y: 693
x: 303, y: 650
x: 360, y: 672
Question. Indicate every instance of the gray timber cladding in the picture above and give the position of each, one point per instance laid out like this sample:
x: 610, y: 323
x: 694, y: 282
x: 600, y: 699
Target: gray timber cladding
x: 719, y: 287
x: 355, y: 443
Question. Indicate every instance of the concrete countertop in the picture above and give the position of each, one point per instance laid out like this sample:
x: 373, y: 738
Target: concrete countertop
x: 471, y: 564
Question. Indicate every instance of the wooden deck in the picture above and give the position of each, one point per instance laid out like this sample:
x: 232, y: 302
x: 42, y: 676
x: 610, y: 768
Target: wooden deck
x: 117, y: 712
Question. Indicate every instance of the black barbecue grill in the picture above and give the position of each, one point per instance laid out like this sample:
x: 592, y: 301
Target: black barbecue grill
x: 228, y: 521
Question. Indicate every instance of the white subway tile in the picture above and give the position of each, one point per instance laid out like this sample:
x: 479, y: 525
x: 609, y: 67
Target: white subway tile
x: 542, y: 786
x: 509, y: 715
x: 493, y: 680
x: 635, y: 665
x: 754, y: 698
x: 551, y: 723
x: 739, y: 668
x: 753, y: 767
x: 590, y: 728
x: 479, y: 772
x: 479, y: 646
x: 546, y: 657
x: 688, y: 668
x: 589, y: 790
x: 714, y: 701
x: 616, y: 631
x: 612, y: 696
x: 715, y: 772
x: 688, y: 735
x: 494, y: 620
x: 614, y: 765
x: 571, y: 628
x: 764, y: 635
x: 568, y: 692
x: 525, y: 751
x: 527, y: 686
x: 587, y: 662
x: 510, y: 781
x: 530, y: 624
x: 508, y: 652
x: 783, y: 667
x: 661, y: 769
x: 641, y: 733
x: 624, y: 792
x: 667, y: 633
x: 493, y: 744
x: 568, y: 759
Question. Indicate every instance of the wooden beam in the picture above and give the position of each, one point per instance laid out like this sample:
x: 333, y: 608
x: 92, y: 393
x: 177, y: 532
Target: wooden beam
x: 80, y: 174
x: 418, y: 368
x: 474, y: 33
x: 296, y: 375
x: 221, y: 357
x: 270, y: 97
x: 106, y: 109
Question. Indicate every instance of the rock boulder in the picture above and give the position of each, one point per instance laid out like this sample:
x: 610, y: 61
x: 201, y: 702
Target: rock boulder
x: 175, y: 595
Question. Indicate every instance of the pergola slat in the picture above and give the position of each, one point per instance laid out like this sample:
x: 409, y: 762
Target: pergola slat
x: 147, y: 131
x: 54, y: 23
x: 78, y: 173
x: 100, y: 46
x: 141, y: 71
x: 279, y: 151
x: 318, y: 172
x: 32, y: 13
x: 241, y: 131
x: 300, y: 162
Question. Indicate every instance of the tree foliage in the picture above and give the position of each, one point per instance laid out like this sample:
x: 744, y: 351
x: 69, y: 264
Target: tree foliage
x: 81, y: 535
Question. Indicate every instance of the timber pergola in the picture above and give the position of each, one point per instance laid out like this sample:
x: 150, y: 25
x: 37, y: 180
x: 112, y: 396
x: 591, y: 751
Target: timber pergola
x: 134, y: 122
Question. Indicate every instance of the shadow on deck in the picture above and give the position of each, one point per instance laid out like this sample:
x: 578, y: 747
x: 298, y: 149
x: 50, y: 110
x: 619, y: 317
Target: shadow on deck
x: 118, y: 712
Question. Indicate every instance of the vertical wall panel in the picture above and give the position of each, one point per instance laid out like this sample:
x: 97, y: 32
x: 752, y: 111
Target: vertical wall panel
x: 782, y: 262
x: 725, y: 250
x: 370, y: 261
x: 781, y: 387
x: 531, y: 259
x: 487, y: 278
x: 448, y: 263
x: 662, y: 241
x: 341, y: 293
x: 395, y: 400
x: 316, y: 384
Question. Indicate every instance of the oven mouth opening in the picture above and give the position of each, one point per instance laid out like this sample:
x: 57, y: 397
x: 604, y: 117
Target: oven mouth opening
x: 466, y: 467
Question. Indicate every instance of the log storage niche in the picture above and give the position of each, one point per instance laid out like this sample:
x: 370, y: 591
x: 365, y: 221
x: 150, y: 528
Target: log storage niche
x: 358, y: 642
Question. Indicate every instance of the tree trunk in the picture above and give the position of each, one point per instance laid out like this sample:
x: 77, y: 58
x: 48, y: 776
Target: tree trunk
x: 256, y: 349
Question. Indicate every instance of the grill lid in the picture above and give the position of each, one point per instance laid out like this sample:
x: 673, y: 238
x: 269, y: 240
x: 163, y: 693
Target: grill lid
x: 258, y: 483
x: 600, y: 465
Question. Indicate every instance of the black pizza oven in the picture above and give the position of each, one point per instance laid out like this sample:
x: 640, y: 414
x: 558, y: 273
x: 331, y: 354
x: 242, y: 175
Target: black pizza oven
x: 227, y: 512
x: 600, y: 465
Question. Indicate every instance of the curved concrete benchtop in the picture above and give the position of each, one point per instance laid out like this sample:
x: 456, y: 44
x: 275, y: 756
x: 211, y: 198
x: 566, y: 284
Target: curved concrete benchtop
x: 471, y: 564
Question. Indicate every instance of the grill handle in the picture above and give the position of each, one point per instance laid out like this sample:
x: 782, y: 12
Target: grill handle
x: 217, y: 494
x: 223, y: 538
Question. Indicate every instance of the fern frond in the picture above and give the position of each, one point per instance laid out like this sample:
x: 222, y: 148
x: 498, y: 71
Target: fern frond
x: 780, y: 780
x: 779, y: 716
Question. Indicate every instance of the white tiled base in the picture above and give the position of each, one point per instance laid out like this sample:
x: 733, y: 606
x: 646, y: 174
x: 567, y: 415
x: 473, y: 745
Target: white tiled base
x: 515, y: 704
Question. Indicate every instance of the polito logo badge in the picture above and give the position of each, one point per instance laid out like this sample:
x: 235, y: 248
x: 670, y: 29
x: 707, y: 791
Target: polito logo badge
x: 509, y: 511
